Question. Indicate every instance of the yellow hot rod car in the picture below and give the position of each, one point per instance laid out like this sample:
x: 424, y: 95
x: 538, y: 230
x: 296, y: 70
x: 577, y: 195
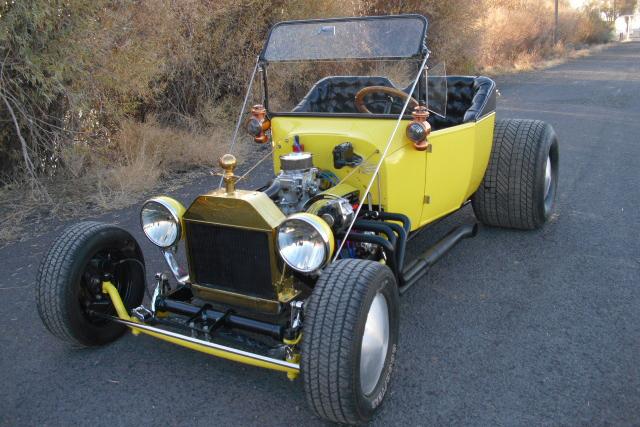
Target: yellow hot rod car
x: 303, y: 275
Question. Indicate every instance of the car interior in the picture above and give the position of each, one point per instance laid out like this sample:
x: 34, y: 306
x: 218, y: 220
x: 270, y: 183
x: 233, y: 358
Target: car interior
x: 469, y: 98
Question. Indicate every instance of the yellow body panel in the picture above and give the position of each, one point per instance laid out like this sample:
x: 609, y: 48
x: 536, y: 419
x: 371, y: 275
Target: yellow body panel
x: 456, y: 166
x: 449, y: 174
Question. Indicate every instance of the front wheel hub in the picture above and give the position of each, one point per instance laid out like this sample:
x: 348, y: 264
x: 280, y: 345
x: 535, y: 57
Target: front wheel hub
x: 375, y: 343
x: 547, y: 177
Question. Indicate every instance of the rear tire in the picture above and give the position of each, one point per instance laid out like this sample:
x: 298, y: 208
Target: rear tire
x: 346, y: 360
x: 520, y: 183
x: 67, y: 292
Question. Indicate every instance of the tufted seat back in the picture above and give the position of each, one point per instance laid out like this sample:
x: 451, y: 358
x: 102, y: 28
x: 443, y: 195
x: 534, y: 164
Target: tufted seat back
x: 468, y: 98
x: 336, y: 94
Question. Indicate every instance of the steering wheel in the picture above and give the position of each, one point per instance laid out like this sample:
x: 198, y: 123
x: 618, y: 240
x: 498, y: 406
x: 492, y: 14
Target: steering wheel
x: 392, y: 92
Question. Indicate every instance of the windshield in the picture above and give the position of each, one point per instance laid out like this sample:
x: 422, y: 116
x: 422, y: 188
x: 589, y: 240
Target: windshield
x: 436, y: 89
x: 385, y: 37
x: 331, y: 87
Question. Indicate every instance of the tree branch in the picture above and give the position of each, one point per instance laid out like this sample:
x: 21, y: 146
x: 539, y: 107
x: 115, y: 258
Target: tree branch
x: 23, y: 145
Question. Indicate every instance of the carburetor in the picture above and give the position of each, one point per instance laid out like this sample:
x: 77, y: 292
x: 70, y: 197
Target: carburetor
x: 296, y: 183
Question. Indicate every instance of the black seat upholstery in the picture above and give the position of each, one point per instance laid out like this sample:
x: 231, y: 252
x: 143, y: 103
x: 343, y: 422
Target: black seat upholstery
x: 469, y: 98
x: 459, y: 99
x: 336, y: 94
x: 484, y: 99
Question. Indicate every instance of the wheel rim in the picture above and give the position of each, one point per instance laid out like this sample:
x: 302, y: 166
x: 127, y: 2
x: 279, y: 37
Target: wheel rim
x: 375, y: 343
x: 91, y: 298
x: 547, y: 177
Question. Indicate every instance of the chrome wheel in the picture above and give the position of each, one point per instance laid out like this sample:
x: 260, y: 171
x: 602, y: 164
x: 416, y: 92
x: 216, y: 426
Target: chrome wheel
x: 375, y: 343
x: 547, y: 177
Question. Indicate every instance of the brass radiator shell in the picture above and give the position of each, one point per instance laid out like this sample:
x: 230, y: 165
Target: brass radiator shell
x: 253, y: 216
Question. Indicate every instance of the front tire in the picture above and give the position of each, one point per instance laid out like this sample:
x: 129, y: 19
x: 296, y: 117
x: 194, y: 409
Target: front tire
x: 520, y: 184
x: 69, y: 282
x: 349, y: 340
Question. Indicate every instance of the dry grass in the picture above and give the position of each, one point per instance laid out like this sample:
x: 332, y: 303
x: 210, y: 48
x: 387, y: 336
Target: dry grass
x: 148, y: 151
x: 541, y: 63
x: 140, y: 155
x: 142, y: 158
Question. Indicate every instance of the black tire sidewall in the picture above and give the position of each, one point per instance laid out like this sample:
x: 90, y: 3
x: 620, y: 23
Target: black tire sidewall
x: 384, y: 283
x: 81, y: 328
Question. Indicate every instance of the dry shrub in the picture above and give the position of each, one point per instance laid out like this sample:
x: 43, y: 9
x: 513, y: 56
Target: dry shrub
x: 518, y: 34
x: 224, y: 38
x: 140, y: 90
x: 134, y: 161
x: 453, y: 27
x: 587, y: 28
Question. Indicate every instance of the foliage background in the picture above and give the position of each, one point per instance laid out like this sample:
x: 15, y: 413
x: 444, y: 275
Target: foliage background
x: 100, y: 99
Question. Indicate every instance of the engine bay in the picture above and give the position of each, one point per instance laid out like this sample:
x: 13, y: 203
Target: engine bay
x: 302, y: 187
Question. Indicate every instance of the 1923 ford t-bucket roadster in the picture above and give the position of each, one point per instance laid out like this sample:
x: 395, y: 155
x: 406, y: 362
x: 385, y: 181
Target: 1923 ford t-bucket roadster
x: 303, y: 275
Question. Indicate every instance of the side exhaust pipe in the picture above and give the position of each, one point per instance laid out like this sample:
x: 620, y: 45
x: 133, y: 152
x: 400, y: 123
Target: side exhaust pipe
x: 419, y: 267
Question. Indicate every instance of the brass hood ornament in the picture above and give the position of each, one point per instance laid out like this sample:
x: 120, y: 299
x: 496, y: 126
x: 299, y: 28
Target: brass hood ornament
x: 228, y: 163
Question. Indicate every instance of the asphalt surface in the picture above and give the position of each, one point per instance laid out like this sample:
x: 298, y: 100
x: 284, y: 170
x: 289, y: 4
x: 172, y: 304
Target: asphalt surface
x: 511, y: 328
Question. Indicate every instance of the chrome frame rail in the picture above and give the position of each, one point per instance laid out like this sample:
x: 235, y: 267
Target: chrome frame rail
x: 208, y: 344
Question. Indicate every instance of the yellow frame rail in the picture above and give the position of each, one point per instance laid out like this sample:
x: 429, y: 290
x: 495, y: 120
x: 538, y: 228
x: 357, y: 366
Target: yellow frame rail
x: 207, y: 347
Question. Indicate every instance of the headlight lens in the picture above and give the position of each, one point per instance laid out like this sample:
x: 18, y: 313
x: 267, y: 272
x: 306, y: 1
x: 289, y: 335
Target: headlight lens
x: 416, y: 132
x: 305, y: 242
x: 161, y: 221
x: 254, y: 127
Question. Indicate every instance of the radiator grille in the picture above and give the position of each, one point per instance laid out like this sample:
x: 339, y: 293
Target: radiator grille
x: 231, y: 259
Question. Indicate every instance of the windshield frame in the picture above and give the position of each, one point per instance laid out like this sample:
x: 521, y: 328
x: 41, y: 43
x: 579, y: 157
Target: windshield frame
x: 262, y: 63
x: 419, y: 54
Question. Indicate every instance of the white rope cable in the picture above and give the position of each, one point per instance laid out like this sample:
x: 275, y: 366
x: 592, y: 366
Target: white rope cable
x: 244, y: 106
x: 384, y: 154
x: 265, y: 157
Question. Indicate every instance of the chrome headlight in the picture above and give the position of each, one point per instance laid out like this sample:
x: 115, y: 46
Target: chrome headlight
x: 161, y: 219
x: 305, y: 242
